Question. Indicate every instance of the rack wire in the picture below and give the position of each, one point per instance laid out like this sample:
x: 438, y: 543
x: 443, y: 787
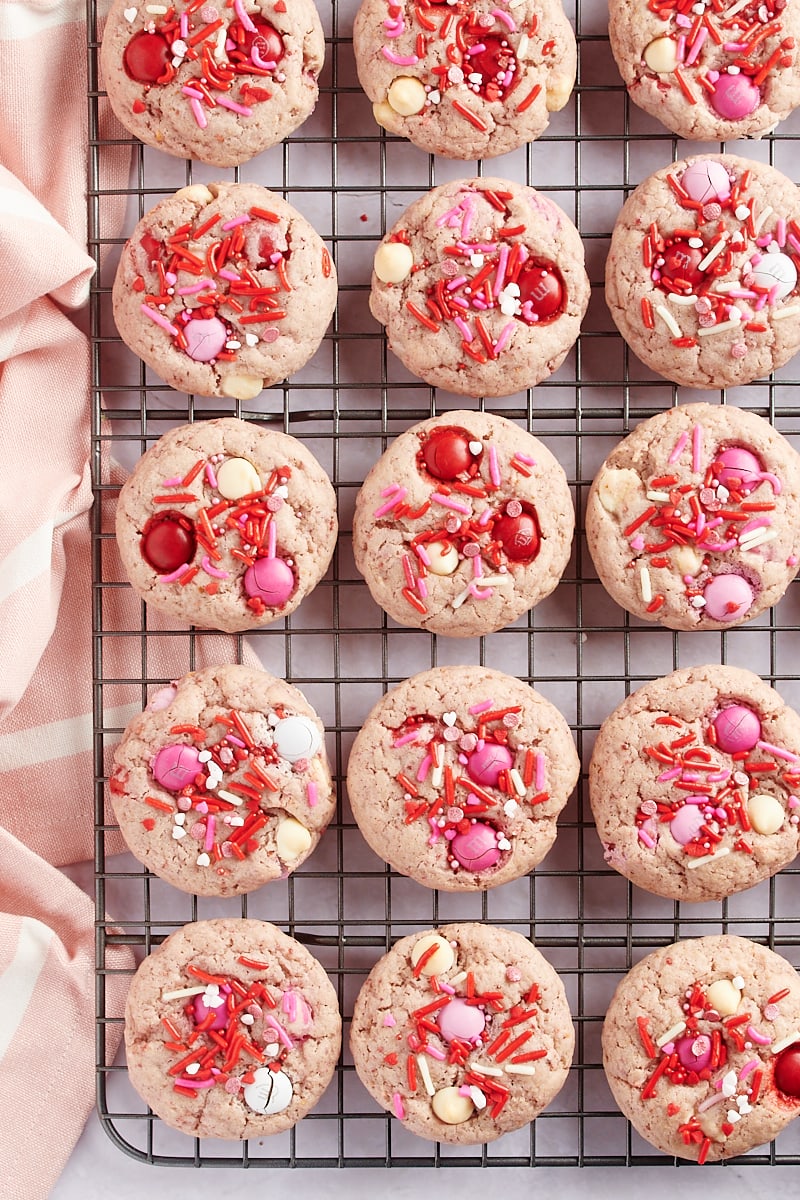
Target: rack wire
x: 577, y: 647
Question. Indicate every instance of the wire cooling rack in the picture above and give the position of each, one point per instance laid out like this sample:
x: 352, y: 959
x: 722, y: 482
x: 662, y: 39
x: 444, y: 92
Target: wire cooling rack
x: 577, y: 647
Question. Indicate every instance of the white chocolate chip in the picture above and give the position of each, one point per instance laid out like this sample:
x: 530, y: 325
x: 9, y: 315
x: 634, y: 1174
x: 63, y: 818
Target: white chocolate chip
x: 559, y: 90
x: 198, y: 193
x: 687, y: 560
x: 616, y: 488
x: 724, y: 997
x: 237, y: 477
x: 441, y: 960
x: 293, y: 839
x: 452, y: 1108
x: 443, y: 558
x: 393, y: 262
x: 406, y: 96
x: 385, y: 115
x: 661, y: 55
x: 766, y: 813
x: 242, y: 387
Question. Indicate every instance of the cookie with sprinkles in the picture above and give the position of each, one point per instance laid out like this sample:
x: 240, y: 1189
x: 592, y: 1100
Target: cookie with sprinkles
x: 702, y: 275
x: 458, y: 775
x: 224, y: 289
x: 701, y: 1047
x: 694, y: 784
x: 712, y: 70
x: 694, y: 519
x: 463, y: 1033
x: 481, y: 286
x: 215, y: 82
x: 222, y: 784
x: 466, y: 79
x: 226, y: 524
x: 463, y: 525
x: 232, y: 1030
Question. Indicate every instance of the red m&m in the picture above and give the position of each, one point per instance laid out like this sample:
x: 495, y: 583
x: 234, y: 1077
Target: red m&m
x: 542, y: 288
x: 145, y: 57
x: 266, y: 42
x: 681, y: 262
x: 446, y: 453
x: 168, y: 541
x: 519, y: 535
x: 787, y: 1071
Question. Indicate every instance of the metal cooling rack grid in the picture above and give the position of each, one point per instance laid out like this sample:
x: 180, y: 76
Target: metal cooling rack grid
x: 577, y: 647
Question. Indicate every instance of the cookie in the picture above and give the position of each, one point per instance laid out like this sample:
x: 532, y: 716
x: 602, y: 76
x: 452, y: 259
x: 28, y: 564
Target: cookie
x: 693, y: 520
x: 701, y: 278
x: 701, y: 1047
x: 470, y: 81
x: 224, y: 289
x: 226, y: 524
x: 464, y: 524
x: 232, y: 1030
x: 728, y: 71
x: 458, y: 775
x: 219, y: 83
x: 693, y: 781
x: 488, y: 1027
x: 222, y: 783
x: 481, y: 287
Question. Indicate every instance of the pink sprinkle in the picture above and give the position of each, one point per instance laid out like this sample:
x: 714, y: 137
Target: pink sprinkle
x: 773, y: 481
x: 504, y: 19
x: 289, y: 1005
x: 448, y: 988
x: 210, y: 827
x: 503, y: 340
x: 244, y: 219
x: 434, y: 1051
x: 478, y: 49
x: 422, y: 587
x: 479, y: 593
x: 184, y: 25
x: 697, y: 46
x: 424, y: 767
x: 791, y: 560
x: 464, y: 328
x: 397, y: 1103
x: 539, y: 776
x: 199, y: 115
x: 231, y: 737
x: 748, y: 1067
x: 734, y: 47
x: 422, y: 554
x: 210, y: 476
x: 157, y: 318
x: 719, y: 776
x: 389, y: 1021
x: 637, y: 543
x: 399, y: 60
x: 243, y: 17
x: 311, y: 794
x: 697, y: 446
x: 759, y: 1038
x: 794, y: 802
x: 477, y: 566
x: 681, y: 51
x: 709, y: 1102
x: 233, y: 1085
x: 173, y: 481
x: 683, y: 22
x: 272, y: 538
x: 193, y: 289
x: 406, y: 738
x: 398, y: 498
x: 648, y: 841
x: 494, y: 469
x: 793, y: 242
x: 391, y: 489
x: 525, y: 458
x: 777, y: 752
x: 190, y: 91
x: 680, y: 445
x: 771, y: 1012
x: 481, y: 707
x: 281, y: 1032
x: 485, y: 517
x: 449, y: 502
x: 407, y: 571
x: 394, y: 28
x: 195, y: 1083
x: 672, y: 773
x: 468, y: 211
x: 231, y: 276
x: 214, y: 572
x: 174, y: 574
x: 502, y: 263
x: 243, y: 111
x: 456, y: 283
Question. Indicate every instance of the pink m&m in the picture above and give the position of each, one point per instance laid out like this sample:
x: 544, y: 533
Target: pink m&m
x: 706, y: 180
x: 686, y: 823
x: 485, y: 765
x: 694, y: 1051
x: 737, y: 728
x: 204, y: 338
x: 476, y: 850
x: 461, y: 1020
x: 739, y: 468
x: 271, y: 580
x: 175, y: 766
x: 728, y: 597
x: 201, y: 1011
x: 735, y: 96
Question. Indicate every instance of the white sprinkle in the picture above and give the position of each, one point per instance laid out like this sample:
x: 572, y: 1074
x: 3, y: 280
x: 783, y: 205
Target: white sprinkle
x: 791, y: 311
x: 698, y: 601
x: 234, y: 820
x: 729, y: 1084
x: 178, y: 833
x: 694, y: 863
x: 733, y: 69
x: 671, y: 1034
x: 742, y: 211
x: 647, y: 587
x: 516, y: 782
x: 229, y: 796
x: 182, y: 993
x: 511, y: 808
x: 203, y: 860
x: 503, y: 844
x: 761, y: 218
x: 180, y: 818
x: 457, y: 979
x: 757, y: 538
x: 477, y: 1097
x: 247, y: 1019
x: 484, y: 582
x: 521, y: 1069
x: 738, y: 982
x: 683, y: 300
x: 668, y: 319
x: 179, y: 48
x: 425, y: 1073
x: 723, y: 327
x: 157, y: 9
x: 784, y: 1042
x: 662, y: 497
x: 251, y: 339
x: 714, y: 252
x: 192, y: 1068
x: 696, y: 243
x: 522, y: 46
x: 486, y: 1070
x: 204, y: 756
x: 733, y: 1116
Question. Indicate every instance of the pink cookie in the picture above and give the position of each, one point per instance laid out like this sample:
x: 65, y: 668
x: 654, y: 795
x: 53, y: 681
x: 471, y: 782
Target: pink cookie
x: 458, y: 775
x: 226, y: 524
